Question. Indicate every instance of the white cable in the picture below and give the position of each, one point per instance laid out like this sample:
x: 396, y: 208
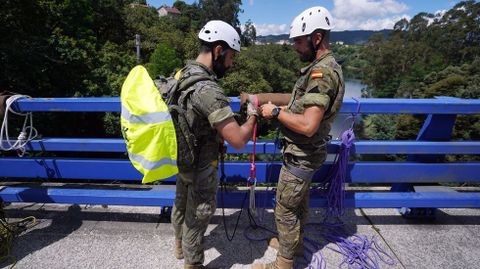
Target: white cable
x: 19, y: 144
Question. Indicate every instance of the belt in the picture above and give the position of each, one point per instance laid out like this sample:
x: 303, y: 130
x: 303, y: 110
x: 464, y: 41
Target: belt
x: 283, y: 143
x: 298, y: 172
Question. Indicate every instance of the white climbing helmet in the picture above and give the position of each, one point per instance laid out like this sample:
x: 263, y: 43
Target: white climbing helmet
x: 310, y: 20
x: 220, y: 31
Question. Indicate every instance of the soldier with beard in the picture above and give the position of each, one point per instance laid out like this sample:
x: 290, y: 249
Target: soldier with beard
x: 212, y: 121
x: 306, y: 121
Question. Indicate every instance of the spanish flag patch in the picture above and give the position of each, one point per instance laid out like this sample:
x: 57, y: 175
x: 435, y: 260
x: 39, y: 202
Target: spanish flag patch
x: 316, y: 75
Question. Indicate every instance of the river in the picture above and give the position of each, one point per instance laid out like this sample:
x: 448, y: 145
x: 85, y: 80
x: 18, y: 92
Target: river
x: 353, y: 88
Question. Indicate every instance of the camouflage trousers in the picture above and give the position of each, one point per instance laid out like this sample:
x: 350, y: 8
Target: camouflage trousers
x: 291, y: 211
x: 195, y: 203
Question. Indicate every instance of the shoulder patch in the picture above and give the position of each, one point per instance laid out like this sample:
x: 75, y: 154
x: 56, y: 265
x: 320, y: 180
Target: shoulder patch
x: 316, y: 74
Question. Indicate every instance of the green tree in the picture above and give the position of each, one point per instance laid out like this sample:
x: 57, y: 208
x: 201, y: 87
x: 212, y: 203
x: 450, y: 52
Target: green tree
x: 190, y: 19
x: 225, y: 10
x: 249, y: 34
x: 163, y: 61
x: 141, y: 20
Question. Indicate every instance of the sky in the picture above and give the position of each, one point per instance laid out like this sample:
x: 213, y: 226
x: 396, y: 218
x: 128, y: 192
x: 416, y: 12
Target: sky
x: 274, y: 16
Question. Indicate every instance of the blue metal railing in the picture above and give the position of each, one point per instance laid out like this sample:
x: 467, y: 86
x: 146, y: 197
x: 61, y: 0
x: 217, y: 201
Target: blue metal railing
x: 420, y: 168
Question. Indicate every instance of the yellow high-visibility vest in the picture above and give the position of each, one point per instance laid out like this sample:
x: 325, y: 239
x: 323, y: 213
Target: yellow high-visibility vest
x: 147, y: 127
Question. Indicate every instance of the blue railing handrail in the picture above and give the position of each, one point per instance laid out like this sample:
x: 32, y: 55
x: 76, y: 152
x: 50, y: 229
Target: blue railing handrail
x: 439, y: 105
x: 269, y: 147
x: 422, y: 165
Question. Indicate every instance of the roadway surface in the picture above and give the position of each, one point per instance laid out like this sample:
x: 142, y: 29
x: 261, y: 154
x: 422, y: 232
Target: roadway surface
x: 86, y: 236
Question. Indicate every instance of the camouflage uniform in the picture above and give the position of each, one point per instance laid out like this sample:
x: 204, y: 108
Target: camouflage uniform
x: 195, y: 200
x: 321, y: 84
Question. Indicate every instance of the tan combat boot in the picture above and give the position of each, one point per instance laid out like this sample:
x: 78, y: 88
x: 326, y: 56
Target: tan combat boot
x: 273, y: 242
x: 178, y: 249
x: 279, y: 263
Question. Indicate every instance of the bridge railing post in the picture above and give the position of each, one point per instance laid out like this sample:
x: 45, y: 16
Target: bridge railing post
x: 437, y: 127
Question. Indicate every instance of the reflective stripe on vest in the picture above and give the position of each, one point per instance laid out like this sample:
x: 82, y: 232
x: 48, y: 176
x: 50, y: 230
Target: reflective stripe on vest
x: 147, y: 127
x: 150, y: 118
x: 149, y: 164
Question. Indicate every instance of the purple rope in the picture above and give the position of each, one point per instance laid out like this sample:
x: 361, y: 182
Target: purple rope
x: 337, y: 174
x: 358, y: 251
x: 336, y: 177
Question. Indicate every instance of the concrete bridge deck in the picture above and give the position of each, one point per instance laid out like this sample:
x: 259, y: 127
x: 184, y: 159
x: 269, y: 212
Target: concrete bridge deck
x: 85, y: 236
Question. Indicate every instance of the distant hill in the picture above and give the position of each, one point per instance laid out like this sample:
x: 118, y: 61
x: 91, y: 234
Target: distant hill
x: 347, y: 37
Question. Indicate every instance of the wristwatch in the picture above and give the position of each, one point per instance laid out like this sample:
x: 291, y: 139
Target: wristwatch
x: 276, y: 111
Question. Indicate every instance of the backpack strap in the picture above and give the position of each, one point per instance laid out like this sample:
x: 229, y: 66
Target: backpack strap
x: 186, y: 86
x: 185, y: 83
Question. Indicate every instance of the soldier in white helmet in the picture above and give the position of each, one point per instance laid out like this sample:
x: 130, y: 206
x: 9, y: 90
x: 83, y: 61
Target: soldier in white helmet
x: 305, y: 122
x: 211, y: 121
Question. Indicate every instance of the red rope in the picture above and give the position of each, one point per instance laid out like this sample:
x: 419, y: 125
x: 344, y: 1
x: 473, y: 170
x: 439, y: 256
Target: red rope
x: 253, y: 168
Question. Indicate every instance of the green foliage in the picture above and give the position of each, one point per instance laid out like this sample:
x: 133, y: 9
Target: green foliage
x: 190, y: 45
x: 425, y: 44
x: 351, y: 59
x: 249, y: 34
x: 380, y: 127
x: 86, y: 48
x: 265, y: 68
x: 141, y: 20
x: 190, y: 18
x: 163, y: 61
x: 225, y: 10
x: 408, y: 126
x: 425, y: 57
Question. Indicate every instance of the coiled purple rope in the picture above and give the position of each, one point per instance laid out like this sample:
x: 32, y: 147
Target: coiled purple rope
x: 338, y: 173
x: 336, y: 177
x: 359, y: 251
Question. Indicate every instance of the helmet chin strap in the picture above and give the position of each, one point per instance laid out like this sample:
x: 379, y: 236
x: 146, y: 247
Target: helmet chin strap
x: 313, y: 47
x: 218, y: 64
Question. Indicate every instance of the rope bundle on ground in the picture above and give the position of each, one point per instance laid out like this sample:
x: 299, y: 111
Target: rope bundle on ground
x: 8, y: 232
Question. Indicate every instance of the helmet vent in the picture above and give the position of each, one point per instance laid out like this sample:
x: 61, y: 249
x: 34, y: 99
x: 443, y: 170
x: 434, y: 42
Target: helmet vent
x: 207, y: 31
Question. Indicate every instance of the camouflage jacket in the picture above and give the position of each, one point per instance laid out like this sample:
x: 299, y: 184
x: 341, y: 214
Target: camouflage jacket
x: 320, y: 84
x: 207, y: 106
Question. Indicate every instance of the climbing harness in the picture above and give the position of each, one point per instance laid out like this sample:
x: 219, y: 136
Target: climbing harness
x: 27, y: 133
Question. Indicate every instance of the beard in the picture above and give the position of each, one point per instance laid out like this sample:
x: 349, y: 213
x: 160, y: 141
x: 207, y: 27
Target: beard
x: 307, y: 56
x: 219, y: 68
